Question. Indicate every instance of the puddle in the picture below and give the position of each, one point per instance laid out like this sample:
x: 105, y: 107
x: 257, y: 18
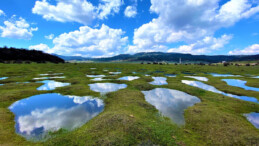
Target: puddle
x: 170, y: 75
x: 159, y: 81
x: 239, y: 83
x: 3, y: 78
x: 99, y: 79
x: 62, y: 77
x: 213, y: 89
x: 54, y: 74
x: 41, y: 78
x: 38, y: 115
x: 198, y: 78
x: 22, y: 82
x: 158, y: 71
x: 114, y: 73
x: 257, y: 77
x: 224, y: 75
x: 170, y: 103
x: 106, y: 87
x: 92, y: 68
x: 51, y: 85
x: 147, y: 75
x: 95, y: 76
x: 129, y: 78
x: 187, y: 73
x: 253, y: 118
x: 47, y: 78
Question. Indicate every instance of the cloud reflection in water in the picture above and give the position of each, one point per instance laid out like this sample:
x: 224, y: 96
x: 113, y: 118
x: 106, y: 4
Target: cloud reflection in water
x: 213, y: 89
x: 170, y: 103
x: 106, y: 87
x: 37, y: 115
x: 51, y: 85
x: 159, y: 81
x: 239, y: 83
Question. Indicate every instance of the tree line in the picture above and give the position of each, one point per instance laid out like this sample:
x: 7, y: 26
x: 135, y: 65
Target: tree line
x: 15, y: 55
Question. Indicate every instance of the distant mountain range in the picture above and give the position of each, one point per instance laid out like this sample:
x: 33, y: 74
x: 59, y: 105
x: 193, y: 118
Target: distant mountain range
x: 70, y: 58
x: 172, y: 57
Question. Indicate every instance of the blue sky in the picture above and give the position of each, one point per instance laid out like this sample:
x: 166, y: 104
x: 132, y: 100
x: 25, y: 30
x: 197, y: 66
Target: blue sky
x: 100, y: 28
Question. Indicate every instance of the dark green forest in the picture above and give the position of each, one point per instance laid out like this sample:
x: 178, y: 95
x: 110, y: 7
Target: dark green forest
x: 14, y: 55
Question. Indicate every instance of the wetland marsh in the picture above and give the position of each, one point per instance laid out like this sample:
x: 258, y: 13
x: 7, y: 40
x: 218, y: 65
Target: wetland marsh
x: 117, y: 110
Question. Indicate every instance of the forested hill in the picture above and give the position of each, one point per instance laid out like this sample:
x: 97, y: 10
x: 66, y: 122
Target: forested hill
x: 174, y: 57
x: 160, y: 56
x: 23, y: 55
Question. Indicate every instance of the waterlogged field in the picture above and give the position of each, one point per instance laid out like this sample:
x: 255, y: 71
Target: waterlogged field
x: 109, y: 104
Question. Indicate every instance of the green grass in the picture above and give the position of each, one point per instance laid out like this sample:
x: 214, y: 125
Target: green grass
x: 127, y: 118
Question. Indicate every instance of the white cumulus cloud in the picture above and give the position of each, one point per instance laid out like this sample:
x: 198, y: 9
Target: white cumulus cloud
x: 1, y: 12
x: 251, y: 50
x: 130, y: 11
x: 107, y: 7
x: 49, y: 37
x: 17, y: 29
x: 188, y: 21
x: 80, y: 11
x: 42, y: 47
x: 88, y: 42
x: 206, y: 45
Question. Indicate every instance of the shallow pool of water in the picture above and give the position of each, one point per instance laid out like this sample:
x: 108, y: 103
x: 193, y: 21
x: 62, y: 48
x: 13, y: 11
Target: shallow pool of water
x: 224, y: 75
x: 47, y: 78
x: 3, y: 78
x: 239, y: 83
x: 170, y: 75
x: 198, y: 78
x: 22, y: 82
x: 158, y: 71
x: 54, y: 74
x: 114, y: 73
x: 38, y: 115
x: 253, y: 118
x: 106, y: 87
x: 213, y: 89
x: 159, y: 81
x: 187, y: 73
x: 99, y: 79
x: 129, y: 78
x: 95, y: 76
x: 51, y: 85
x: 170, y: 103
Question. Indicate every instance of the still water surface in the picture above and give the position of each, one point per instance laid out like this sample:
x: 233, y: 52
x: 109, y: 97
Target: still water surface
x: 106, y: 87
x: 51, y: 85
x: 239, y: 83
x: 38, y: 115
x: 170, y: 103
x: 159, y: 81
x: 213, y: 89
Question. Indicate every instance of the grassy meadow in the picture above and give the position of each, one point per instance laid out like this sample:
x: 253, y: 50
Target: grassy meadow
x: 127, y: 118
